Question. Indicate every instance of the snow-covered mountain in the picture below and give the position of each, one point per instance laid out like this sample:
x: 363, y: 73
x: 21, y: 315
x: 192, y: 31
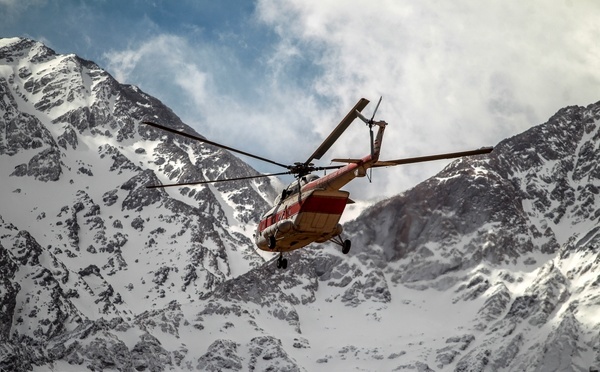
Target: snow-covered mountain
x: 493, y: 264
x: 514, y: 238
x: 82, y: 238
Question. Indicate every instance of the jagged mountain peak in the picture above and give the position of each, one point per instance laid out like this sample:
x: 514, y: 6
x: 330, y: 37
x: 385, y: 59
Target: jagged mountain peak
x: 534, y: 183
x: 492, y: 264
x: 516, y: 229
x: 22, y: 48
x: 77, y: 219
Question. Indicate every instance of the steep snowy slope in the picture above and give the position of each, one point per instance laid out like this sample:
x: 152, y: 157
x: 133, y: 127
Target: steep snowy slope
x: 515, y: 236
x: 491, y: 265
x: 81, y: 236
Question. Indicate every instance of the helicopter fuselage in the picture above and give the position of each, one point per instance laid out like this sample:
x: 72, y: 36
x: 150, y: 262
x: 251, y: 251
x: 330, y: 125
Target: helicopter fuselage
x: 309, y: 209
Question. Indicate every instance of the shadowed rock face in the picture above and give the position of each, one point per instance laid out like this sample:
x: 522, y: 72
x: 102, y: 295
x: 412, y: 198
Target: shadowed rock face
x: 84, y: 231
x: 532, y: 201
x: 493, y: 208
x: 496, y: 257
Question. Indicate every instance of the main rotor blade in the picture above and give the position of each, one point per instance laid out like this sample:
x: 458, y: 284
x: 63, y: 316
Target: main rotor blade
x: 420, y: 159
x: 215, y: 181
x: 329, y: 167
x: 212, y: 143
x: 376, y: 107
x: 337, y: 132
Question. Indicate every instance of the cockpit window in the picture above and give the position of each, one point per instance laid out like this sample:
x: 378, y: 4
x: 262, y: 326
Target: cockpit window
x: 309, y: 178
x: 294, y: 187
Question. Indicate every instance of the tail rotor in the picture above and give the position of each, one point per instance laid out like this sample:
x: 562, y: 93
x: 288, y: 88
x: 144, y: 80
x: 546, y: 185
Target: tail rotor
x: 370, y: 123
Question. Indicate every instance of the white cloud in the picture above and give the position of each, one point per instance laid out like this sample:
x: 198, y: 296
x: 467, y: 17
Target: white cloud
x: 164, y: 63
x: 454, y: 75
x: 202, y: 83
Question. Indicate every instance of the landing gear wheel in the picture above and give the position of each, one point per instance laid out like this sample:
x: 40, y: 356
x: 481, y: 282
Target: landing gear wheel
x: 282, y: 262
x: 346, y: 246
x: 272, y: 242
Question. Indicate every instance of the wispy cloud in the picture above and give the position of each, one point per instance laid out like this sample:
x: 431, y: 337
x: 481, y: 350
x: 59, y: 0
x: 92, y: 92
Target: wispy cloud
x: 231, y: 103
x: 454, y: 75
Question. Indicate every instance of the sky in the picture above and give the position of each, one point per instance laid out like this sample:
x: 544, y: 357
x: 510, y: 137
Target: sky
x: 274, y: 77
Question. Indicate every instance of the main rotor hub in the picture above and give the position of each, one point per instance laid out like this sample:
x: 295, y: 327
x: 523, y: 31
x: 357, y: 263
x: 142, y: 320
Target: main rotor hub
x: 301, y: 169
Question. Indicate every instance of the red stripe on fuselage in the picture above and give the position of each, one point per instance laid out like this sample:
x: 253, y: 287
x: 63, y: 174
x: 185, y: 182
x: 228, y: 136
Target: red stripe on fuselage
x: 320, y: 204
x: 327, y: 205
x: 312, y: 204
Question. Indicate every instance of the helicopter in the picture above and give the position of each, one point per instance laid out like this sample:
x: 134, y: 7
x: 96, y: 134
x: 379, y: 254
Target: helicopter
x: 309, y: 209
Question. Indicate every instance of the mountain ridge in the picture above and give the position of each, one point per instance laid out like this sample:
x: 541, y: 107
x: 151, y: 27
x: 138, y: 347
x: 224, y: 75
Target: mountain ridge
x: 96, y: 233
x: 492, y: 264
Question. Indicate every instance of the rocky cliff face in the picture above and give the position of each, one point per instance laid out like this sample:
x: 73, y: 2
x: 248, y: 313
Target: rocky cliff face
x: 492, y: 264
x: 82, y: 238
x: 513, y: 234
